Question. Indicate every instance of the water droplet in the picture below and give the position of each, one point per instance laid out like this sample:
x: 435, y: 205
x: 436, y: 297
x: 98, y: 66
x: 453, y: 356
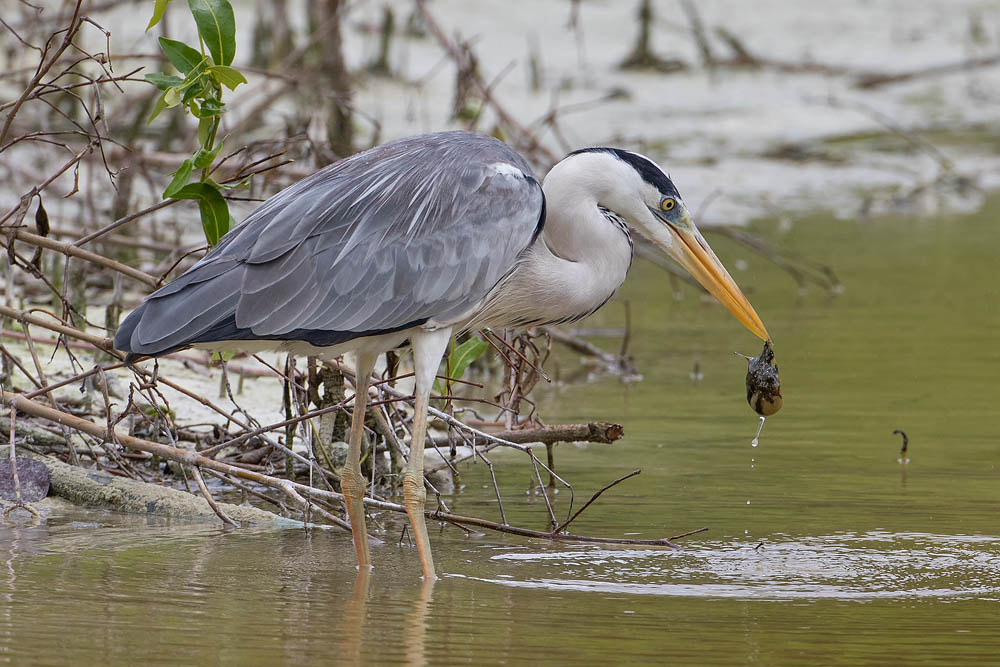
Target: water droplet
x: 756, y: 437
x: 748, y: 502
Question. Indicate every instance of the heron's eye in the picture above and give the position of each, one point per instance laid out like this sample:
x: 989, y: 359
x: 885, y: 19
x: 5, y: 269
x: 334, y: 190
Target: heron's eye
x: 668, y: 204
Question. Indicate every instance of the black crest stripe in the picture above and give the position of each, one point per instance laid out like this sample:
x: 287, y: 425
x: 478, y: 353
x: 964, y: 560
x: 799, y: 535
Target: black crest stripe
x: 645, y: 167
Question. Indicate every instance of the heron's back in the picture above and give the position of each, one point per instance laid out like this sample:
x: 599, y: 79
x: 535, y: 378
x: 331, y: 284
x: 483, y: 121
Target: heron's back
x: 414, y: 231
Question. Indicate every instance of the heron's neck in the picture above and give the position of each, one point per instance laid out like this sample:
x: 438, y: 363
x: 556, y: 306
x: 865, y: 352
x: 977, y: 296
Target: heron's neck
x: 577, y: 263
x: 584, y: 237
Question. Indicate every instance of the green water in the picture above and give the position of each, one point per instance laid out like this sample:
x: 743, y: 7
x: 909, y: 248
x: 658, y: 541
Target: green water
x: 862, y: 561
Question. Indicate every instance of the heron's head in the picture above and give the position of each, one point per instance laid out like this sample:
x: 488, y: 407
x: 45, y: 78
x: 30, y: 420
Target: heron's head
x: 635, y: 188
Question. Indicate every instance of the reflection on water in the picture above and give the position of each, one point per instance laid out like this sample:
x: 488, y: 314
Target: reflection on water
x: 841, y: 567
x: 843, y: 556
x: 353, y: 626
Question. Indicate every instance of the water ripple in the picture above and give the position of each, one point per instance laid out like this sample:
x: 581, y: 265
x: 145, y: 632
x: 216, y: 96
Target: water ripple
x: 849, y: 566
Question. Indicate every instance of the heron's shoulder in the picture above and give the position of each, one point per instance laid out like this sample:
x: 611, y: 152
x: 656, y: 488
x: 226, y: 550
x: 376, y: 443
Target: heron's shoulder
x: 444, y: 151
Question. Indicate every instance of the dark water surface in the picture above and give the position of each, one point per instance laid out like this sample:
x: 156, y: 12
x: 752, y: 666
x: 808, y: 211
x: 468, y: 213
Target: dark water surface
x: 862, y: 561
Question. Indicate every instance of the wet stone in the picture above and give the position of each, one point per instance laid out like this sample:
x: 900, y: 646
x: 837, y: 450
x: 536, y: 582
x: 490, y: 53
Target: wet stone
x: 33, y: 477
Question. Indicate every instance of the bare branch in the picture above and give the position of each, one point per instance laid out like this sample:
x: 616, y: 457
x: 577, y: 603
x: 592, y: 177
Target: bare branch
x: 72, y: 250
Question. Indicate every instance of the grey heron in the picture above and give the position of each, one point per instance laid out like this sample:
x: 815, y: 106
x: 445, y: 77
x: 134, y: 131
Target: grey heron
x: 412, y: 241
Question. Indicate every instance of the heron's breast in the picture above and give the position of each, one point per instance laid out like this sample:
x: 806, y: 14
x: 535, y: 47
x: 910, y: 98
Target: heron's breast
x: 546, y: 289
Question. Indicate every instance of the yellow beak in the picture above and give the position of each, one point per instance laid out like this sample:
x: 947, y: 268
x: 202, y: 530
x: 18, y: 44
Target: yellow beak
x: 694, y: 254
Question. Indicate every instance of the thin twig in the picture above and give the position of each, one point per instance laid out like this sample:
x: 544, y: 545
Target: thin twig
x: 593, y: 498
x: 208, y: 497
x: 124, y: 220
x: 517, y: 352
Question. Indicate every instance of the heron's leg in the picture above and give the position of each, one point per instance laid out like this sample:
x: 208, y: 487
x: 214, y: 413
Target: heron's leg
x: 428, y: 348
x: 352, y: 483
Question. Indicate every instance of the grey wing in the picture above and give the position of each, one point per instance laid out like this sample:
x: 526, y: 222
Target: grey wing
x: 410, y: 231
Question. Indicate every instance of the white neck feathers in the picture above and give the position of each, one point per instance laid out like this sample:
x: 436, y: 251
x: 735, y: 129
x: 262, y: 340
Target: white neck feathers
x: 581, y: 257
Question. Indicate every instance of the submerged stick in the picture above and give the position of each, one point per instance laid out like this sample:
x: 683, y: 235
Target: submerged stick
x: 902, y: 450
x: 208, y: 498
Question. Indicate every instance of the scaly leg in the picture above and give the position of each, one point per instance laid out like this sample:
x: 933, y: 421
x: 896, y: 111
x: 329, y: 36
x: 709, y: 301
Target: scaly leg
x: 351, y: 481
x: 428, y: 348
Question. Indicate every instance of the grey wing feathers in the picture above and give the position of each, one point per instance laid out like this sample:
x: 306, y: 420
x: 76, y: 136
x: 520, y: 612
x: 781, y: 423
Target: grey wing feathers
x: 412, y: 230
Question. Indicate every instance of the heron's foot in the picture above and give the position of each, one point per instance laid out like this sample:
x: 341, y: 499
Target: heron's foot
x: 415, y: 498
x: 19, y: 505
x: 353, y: 487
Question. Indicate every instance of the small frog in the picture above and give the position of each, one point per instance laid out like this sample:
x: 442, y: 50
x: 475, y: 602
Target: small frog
x: 763, y: 383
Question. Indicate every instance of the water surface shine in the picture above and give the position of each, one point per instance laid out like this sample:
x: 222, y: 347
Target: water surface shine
x: 821, y: 545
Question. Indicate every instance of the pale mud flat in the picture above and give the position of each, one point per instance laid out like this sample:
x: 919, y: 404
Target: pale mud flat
x: 261, y: 394
x: 709, y: 129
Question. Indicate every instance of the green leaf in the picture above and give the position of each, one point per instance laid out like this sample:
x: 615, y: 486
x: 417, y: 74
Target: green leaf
x: 465, y: 354
x: 180, y: 55
x: 159, y: 7
x: 230, y: 77
x: 164, y: 81
x: 217, y: 27
x: 225, y: 355
x: 180, y: 179
x: 172, y: 96
x: 169, y: 98
x: 194, y: 89
x: 215, y: 217
x: 211, y: 107
x: 160, y: 105
x: 459, y: 359
x: 203, y: 158
x: 205, y: 129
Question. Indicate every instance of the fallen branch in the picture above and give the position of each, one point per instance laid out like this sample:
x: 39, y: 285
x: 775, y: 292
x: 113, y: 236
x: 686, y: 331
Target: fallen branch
x: 93, y: 488
x: 451, y: 421
x: 293, y: 489
x: 598, y: 432
x: 183, y: 456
